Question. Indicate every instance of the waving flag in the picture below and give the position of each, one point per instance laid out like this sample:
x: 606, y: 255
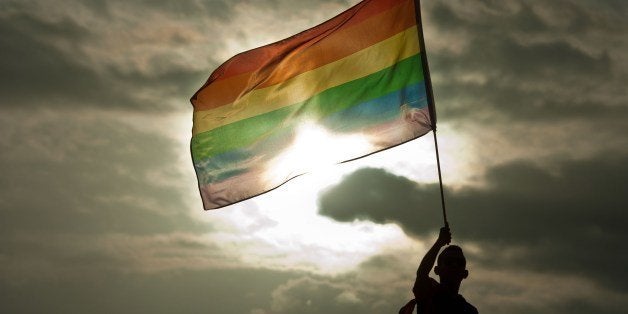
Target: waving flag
x: 349, y: 87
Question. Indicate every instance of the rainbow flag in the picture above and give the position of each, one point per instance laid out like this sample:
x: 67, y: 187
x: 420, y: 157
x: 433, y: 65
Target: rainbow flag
x: 351, y: 86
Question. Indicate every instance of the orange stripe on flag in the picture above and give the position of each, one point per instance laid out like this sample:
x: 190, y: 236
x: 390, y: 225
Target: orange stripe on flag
x: 365, y: 27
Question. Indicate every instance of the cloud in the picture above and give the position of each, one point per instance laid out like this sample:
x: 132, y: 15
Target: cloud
x: 35, y: 72
x: 543, y: 62
x: 307, y: 295
x: 183, y: 291
x: 567, y: 220
x: 90, y: 54
x: 381, y: 194
x: 81, y: 193
x: 540, y: 292
x: 378, y: 285
x: 88, y: 175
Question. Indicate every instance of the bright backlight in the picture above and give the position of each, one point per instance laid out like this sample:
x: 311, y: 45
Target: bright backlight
x: 315, y: 147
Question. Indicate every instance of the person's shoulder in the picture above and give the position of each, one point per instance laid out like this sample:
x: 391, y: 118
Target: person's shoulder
x: 425, y: 288
x: 469, y: 308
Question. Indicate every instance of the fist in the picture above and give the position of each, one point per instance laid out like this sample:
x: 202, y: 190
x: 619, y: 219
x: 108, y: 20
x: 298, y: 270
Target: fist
x: 444, y: 237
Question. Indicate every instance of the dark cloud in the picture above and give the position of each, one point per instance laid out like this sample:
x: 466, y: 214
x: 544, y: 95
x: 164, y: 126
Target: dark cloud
x: 301, y: 6
x: 309, y: 295
x: 228, y: 291
x: 182, y: 291
x: 84, y: 198
x: 33, y: 71
x: 212, y: 9
x: 567, y: 221
x: 530, y: 64
x: 383, y: 197
x: 532, y: 18
x: 538, y: 82
x: 369, y: 288
x: 45, y: 64
x: 89, y: 176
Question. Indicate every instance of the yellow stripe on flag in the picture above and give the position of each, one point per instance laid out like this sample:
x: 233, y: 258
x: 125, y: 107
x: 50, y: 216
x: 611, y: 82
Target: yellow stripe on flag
x: 302, y: 87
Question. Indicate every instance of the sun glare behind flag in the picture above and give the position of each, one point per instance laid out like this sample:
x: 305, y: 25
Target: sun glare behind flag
x: 352, y: 86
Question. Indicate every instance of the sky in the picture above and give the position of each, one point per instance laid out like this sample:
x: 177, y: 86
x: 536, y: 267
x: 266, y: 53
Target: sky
x: 99, y: 207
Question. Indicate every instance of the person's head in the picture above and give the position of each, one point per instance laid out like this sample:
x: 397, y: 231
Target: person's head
x: 451, y: 265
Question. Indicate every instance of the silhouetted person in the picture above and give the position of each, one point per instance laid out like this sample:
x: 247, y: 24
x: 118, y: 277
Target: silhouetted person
x: 432, y: 297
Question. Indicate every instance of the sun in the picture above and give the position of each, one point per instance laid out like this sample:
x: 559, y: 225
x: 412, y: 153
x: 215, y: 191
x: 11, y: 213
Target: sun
x: 315, y: 147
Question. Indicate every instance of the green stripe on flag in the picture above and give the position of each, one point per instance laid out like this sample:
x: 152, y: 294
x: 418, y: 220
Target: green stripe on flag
x: 245, y: 132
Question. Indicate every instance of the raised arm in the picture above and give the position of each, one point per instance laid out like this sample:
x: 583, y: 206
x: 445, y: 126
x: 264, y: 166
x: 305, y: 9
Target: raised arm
x: 423, y: 272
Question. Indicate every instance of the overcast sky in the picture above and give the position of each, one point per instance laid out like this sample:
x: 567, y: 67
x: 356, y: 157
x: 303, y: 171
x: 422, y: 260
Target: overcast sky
x: 99, y: 210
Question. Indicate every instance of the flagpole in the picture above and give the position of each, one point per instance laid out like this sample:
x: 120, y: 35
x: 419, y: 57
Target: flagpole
x: 430, y: 102
x: 440, y: 180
